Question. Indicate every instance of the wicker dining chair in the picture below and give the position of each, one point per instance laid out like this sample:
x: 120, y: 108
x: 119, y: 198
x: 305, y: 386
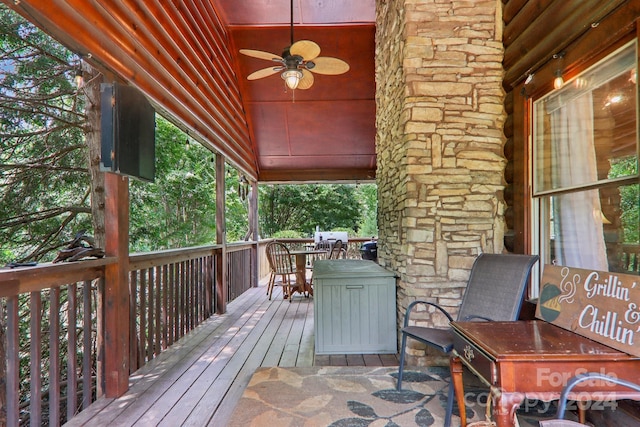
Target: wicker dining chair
x: 336, y: 250
x: 494, y: 291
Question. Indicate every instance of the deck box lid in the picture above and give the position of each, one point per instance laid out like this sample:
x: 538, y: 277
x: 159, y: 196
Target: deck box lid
x: 330, y: 268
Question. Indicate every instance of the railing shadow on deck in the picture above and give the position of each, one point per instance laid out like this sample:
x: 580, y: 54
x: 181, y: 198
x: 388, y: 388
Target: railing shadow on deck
x: 53, y: 329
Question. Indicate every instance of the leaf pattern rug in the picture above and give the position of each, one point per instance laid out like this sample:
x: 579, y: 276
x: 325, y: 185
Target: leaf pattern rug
x: 350, y: 397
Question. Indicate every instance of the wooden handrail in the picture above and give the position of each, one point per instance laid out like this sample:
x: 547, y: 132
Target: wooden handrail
x: 22, y: 280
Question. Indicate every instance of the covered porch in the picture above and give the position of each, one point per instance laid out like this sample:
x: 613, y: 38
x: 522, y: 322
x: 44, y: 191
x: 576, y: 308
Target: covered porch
x: 439, y: 115
x: 199, y: 380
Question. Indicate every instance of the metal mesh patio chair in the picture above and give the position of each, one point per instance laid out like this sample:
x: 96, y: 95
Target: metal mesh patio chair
x: 559, y: 420
x: 494, y: 291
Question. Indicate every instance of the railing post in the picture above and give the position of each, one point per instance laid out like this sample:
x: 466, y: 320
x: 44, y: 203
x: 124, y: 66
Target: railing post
x: 221, y: 237
x: 253, y: 229
x: 116, y: 299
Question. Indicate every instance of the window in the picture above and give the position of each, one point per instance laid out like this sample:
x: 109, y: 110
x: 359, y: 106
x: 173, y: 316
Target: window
x: 585, y: 184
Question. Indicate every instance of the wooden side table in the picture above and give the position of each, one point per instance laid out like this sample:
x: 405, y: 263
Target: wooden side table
x: 534, y: 360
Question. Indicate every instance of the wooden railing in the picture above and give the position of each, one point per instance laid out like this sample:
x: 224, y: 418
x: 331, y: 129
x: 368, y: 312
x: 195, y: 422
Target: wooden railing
x: 171, y: 292
x: 240, y: 269
x: 52, y: 338
x: 52, y: 325
x: 352, y: 246
x: 52, y: 329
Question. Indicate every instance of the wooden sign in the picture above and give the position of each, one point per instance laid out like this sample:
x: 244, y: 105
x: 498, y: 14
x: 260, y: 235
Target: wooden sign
x: 599, y: 305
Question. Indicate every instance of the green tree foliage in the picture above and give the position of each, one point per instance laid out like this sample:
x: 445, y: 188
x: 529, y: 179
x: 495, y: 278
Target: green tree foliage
x: 44, y: 178
x: 44, y: 181
x: 369, y: 196
x: 303, y: 207
x: 236, y: 205
x: 629, y: 199
x: 179, y: 208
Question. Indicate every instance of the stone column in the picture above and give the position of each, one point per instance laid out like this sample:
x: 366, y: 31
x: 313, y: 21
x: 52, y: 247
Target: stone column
x: 440, y: 116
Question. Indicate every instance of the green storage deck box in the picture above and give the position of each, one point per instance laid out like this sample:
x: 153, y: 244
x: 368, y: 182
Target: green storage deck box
x: 354, y: 307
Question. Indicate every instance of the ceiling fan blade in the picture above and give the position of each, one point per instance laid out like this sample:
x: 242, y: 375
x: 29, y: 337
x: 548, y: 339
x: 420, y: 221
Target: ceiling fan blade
x: 265, y: 72
x: 261, y: 54
x: 307, y: 49
x: 329, y: 66
x: 306, y: 81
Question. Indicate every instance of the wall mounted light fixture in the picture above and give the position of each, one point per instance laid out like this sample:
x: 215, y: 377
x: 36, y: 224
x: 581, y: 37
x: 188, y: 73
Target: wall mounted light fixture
x: 558, y: 82
x: 79, y: 79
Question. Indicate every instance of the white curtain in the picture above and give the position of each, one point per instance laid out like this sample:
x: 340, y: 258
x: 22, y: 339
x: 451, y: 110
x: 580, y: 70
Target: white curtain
x: 579, y: 238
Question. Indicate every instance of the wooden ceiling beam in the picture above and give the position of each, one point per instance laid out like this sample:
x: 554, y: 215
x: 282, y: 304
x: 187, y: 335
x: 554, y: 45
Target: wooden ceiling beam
x: 316, y: 175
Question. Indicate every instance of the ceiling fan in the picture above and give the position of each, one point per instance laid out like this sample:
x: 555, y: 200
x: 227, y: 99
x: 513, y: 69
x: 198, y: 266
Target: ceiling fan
x: 297, y: 63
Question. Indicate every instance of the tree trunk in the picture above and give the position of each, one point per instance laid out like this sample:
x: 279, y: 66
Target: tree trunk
x: 92, y: 134
x: 93, y: 78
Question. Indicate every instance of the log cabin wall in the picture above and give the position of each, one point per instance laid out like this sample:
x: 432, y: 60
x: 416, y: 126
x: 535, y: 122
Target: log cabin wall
x: 535, y: 31
x: 428, y: 129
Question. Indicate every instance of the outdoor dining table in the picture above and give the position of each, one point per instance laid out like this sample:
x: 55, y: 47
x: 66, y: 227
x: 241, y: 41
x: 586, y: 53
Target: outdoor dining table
x: 301, y: 264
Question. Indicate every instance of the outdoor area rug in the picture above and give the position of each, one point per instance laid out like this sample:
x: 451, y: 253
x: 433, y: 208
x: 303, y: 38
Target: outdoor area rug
x: 354, y: 396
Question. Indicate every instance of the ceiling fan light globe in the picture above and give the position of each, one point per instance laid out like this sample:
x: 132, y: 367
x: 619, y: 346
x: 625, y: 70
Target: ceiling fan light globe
x: 292, y: 78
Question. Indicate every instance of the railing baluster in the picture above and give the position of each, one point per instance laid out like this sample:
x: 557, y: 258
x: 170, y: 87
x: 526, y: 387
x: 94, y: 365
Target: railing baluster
x: 191, y: 297
x: 134, y: 362
x: 200, y: 291
x: 100, y: 332
x: 165, y: 307
x: 184, y: 304
x: 150, y: 312
x: 143, y: 318
x: 13, y: 363
x: 86, y: 344
x: 175, y: 270
x: 35, y: 359
x: 54, y: 357
x: 207, y: 284
x: 72, y: 351
x: 157, y: 283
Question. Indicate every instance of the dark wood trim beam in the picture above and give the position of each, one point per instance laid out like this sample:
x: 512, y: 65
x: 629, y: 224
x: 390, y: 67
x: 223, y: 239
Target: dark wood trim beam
x: 521, y: 188
x: 316, y: 175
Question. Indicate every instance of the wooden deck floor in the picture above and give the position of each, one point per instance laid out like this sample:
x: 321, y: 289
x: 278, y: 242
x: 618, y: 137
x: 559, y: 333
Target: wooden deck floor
x: 199, y: 380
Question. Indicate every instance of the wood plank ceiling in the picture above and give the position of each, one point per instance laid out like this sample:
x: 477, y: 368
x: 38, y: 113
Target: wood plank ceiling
x: 183, y: 54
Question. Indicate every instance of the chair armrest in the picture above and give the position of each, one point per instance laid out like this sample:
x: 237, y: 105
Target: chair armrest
x: 413, y: 304
x: 474, y: 317
x: 562, y: 403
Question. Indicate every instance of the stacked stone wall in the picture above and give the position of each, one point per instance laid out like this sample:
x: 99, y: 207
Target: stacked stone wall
x: 440, y: 140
